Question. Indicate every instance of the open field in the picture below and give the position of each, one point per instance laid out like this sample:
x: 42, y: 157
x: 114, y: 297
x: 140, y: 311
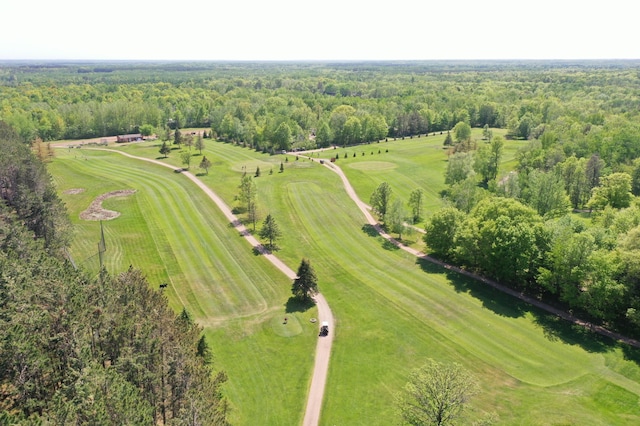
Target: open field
x: 392, y: 311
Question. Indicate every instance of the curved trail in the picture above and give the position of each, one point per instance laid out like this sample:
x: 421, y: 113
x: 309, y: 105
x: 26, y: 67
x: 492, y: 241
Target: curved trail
x: 535, y: 302
x: 323, y: 347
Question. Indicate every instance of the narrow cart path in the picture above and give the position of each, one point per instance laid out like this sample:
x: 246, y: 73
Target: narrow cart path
x: 323, y: 347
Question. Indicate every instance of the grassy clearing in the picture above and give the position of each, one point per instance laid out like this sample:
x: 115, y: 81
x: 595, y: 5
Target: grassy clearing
x: 392, y: 311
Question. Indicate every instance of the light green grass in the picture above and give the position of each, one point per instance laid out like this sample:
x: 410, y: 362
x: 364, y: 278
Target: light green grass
x: 392, y: 312
x: 176, y: 235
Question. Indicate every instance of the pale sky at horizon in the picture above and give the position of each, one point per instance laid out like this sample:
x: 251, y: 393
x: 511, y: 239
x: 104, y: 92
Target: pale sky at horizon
x: 327, y: 30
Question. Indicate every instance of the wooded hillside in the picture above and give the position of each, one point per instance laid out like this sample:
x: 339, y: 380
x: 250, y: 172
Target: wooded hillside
x: 79, y: 349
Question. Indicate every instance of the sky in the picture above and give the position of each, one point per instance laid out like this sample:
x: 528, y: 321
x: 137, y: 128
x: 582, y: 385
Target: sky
x: 259, y: 30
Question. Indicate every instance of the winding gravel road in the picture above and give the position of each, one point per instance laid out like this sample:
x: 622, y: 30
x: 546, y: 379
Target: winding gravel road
x: 323, y: 347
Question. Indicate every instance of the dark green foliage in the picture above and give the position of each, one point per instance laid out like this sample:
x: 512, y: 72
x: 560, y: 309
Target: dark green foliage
x: 305, y: 286
x: 164, y: 149
x: 76, y: 349
x: 271, y: 232
x: 65, y: 336
x: 26, y: 188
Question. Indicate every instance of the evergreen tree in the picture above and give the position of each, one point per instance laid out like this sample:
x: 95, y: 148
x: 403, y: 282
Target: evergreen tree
x: 205, y: 164
x: 305, y: 286
x: 164, y: 149
x: 271, y: 232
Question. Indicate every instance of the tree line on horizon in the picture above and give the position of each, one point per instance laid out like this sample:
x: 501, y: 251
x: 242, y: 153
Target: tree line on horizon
x: 283, y: 107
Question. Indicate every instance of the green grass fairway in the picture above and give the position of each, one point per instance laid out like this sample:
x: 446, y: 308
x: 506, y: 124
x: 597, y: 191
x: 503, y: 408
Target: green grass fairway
x: 392, y: 311
x: 178, y: 236
x: 406, y: 165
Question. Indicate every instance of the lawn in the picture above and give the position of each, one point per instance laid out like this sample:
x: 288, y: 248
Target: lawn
x: 392, y: 311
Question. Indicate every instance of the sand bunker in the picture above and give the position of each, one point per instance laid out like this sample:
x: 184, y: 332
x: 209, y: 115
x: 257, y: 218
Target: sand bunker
x: 74, y: 191
x: 95, y: 210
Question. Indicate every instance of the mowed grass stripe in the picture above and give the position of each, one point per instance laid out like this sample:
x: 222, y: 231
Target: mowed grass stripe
x: 201, y: 264
x: 394, y: 312
x: 409, y: 313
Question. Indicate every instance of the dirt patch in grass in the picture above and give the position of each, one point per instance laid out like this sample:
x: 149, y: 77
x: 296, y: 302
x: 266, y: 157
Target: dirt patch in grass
x: 95, y: 211
x: 74, y: 191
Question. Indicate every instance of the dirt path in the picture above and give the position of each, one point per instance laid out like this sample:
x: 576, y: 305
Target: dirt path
x: 562, y: 314
x: 323, y: 347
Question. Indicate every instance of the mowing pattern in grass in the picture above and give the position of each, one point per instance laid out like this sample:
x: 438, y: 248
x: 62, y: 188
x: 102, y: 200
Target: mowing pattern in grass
x: 176, y: 235
x: 394, y: 311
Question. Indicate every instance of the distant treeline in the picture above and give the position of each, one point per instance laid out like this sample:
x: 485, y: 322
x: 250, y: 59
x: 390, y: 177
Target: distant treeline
x: 320, y: 103
x: 79, y: 349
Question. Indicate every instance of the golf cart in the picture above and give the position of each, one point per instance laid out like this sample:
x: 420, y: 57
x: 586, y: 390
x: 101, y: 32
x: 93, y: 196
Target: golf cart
x: 324, y: 328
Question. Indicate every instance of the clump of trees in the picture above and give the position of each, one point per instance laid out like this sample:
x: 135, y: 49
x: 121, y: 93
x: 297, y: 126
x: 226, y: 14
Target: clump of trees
x: 520, y: 231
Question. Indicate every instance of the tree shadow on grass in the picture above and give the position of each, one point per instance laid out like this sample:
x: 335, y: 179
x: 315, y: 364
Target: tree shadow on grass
x: 492, y: 299
x: 553, y: 327
x: 389, y: 245
x: 631, y: 353
x: 296, y: 305
x: 559, y: 329
x: 370, y: 230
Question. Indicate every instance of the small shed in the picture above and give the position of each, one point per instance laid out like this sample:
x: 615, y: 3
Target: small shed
x: 129, y: 138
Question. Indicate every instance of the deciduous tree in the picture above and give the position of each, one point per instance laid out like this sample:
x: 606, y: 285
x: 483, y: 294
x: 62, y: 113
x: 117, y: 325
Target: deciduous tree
x: 614, y: 191
x: 546, y: 194
x: 185, y: 157
x: 441, y: 231
x: 415, y: 204
x: 459, y: 168
x: 395, y: 218
x: 380, y: 199
x: 487, y: 159
x: 248, y: 194
x: 462, y: 132
x: 205, y: 164
x: 436, y: 394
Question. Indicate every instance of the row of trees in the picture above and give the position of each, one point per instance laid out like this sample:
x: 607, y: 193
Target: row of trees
x: 519, y: 231
x: 392, y: 211
x: 81, y: 349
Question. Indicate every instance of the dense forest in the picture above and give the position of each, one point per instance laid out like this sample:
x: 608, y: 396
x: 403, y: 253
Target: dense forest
x: 80, y: 349
x: 586, y: 107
